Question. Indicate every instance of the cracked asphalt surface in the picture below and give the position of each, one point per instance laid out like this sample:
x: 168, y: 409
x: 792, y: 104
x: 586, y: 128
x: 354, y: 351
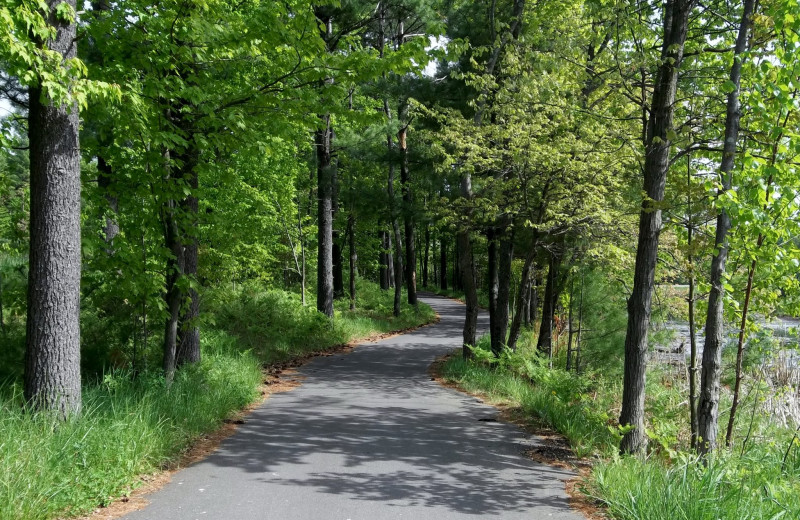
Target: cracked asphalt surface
x: 369, y: 436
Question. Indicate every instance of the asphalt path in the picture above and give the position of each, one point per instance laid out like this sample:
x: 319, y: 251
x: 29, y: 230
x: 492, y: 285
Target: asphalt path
x: 369, y: 436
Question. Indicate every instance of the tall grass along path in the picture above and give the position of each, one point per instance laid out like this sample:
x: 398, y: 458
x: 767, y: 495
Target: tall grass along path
x: 368, y: 435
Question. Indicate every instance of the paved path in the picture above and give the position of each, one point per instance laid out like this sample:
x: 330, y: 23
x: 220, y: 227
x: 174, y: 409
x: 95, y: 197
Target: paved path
x: 369, y: 436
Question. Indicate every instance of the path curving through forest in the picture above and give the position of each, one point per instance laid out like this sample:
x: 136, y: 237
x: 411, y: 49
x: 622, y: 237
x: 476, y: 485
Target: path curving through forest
x: 369, y: 436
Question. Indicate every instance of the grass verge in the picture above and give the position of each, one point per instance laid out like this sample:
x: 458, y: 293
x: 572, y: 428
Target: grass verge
x: 759, y: 481
x: 132, y: 427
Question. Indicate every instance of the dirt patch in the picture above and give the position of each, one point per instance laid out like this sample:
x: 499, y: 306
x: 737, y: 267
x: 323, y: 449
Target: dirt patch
x: 278, y: 378
x: 553, y: 449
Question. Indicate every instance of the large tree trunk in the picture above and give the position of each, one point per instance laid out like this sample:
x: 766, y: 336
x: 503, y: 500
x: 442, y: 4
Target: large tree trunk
x: 52, y: 356
x: 325, y: 167
x: 656, y: 165
x: 708, y: 406
x: 188, y: 348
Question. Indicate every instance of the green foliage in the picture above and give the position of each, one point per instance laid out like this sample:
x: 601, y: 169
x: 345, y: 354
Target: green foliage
x: 555, y: 398
x: 129, y: 427
x: 725, y: 488
x: 276, y: 327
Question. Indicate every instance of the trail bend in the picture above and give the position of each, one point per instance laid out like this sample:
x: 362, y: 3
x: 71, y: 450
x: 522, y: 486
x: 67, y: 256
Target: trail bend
x: 369, y: 436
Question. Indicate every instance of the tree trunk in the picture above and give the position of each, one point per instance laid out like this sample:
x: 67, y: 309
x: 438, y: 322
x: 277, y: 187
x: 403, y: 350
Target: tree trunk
x: 442, y: 262
x: 174, y: 295
x: 408, y: 223
x: 740, y: 349
x: 325, y: 169
x: 656, y: 165
x: 534, y: 308
x: 351, y: 226
x: 467, y: 271
x: 544, y: 343
x: 52, y: 356
x: 692, y: 354
x: 498, y: 327
x: 188, y: 348
x: 426, y: 257
x: 691, y: 300
x: 389, y: 258
x: 384, y: 259
x: 708, y: 407
x: 338, y: 266
x: 569, y: 323
x: 523, y: 302
x: 111, y: 226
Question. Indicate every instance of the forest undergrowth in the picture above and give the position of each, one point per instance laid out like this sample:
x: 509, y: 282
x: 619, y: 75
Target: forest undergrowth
x: 757, y: 478
x: 135, y: 426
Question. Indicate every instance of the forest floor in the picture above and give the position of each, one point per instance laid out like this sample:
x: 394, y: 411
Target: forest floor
x: 370, y: 434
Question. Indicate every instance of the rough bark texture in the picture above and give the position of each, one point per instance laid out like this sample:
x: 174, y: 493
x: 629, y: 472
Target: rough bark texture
x: 708, y: 406
x: 188, y: 348
x: 655, y: 174
x: 52, y: 356
x: 325, y: 166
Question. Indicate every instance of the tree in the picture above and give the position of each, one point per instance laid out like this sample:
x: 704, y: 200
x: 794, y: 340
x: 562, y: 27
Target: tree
x: 657, y: 148
x: 708, y: 406
x: 52, y: 358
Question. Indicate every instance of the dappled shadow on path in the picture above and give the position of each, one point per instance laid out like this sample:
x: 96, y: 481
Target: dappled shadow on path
x: 372, y: 426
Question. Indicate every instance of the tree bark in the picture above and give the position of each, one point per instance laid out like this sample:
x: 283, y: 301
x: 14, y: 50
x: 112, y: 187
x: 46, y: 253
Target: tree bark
x: 523, y: 302
x: 52, y: 356
x: 708, y: 406
x: 656, y: 165
x: 384, y: 260
x: 442, y: 262
x: 544, y: 343
x: 426, y: 257
x: 408, y: 223
x: 498, y: 326
x: 351, y: 226
x: 174, y: 295
x: 325, y: 168
x: 467, y: 272
x: 188, y: 348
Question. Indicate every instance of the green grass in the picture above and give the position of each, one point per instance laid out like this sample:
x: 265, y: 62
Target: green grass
x: 728, y: 488
x: 135, y: 426
x: 483, y: 296
x: 275, y: 325
x: 128, y: 427
x: 750, y: 483
x: 554, y: 397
